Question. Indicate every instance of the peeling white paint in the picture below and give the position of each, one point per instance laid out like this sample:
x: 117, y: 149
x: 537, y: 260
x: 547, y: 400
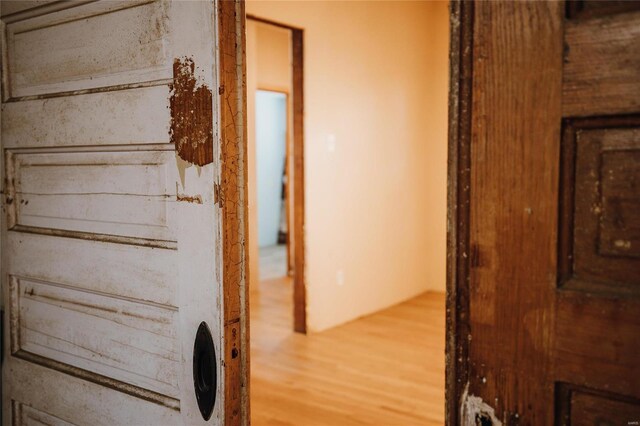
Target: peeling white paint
x: 472, y: 408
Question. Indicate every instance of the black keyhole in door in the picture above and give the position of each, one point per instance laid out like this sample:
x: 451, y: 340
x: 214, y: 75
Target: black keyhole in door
x: 204, y: 371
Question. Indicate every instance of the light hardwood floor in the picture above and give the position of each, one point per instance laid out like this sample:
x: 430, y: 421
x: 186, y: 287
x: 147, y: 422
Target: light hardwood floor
x: 383, y: 369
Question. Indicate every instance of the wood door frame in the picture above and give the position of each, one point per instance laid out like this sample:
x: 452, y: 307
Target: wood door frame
x: 231, y: 196
x: 458, y: 208
x: 459, y: 149
x: 299, y: 289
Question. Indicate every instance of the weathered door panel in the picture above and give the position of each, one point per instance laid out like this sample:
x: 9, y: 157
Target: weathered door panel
x: 110, y: 225
x: 596, y: 371
x: 547, y: 156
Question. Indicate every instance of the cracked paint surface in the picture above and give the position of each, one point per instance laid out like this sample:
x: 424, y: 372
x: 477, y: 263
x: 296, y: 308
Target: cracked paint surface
x: 232, y: 193
x: 191, y: 107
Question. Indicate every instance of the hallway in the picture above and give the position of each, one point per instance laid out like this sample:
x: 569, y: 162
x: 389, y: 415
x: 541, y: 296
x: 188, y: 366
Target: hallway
x: 383, y: 369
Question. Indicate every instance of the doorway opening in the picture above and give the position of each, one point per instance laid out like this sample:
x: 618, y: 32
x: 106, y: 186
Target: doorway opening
x: 276, y: 163
x: 372, y: 278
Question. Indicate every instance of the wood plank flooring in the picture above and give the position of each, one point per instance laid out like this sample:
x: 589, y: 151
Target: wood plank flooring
x: 383, y: 369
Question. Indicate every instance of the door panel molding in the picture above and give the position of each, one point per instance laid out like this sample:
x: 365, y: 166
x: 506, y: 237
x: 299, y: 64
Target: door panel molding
x: 55, y: 400
x: 99, y: 379
x: 123, y: 196
x: 123, y: 43
x: 23, y: 414
x: 596, y: 406
x: 70, y: 328
x: 583, y: 263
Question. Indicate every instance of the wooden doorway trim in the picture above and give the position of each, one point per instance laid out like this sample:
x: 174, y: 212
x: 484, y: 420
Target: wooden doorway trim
x: 458, y: 212
x: 299, y: 289
x: 231, y: 196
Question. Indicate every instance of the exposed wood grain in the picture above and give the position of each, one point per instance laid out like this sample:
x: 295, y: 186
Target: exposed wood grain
x: 233, y: 177
x: 601, y: 65
x: 382, y: 369
x: 597, y: 342
x: 517, y: 54
x: 534, y: 345
x: 191, y: 115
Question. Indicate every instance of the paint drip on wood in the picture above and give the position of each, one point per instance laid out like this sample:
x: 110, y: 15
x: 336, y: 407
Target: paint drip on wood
x: 191, y: 107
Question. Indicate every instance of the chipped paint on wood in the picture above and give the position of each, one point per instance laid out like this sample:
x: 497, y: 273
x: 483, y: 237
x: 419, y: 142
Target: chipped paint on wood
x: 195, y: 199
x: 218, y: 195
x: 475, y: 412
x: 191, y: 107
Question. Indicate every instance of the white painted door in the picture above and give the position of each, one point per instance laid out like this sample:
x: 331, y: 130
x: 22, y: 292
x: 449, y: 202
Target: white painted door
x: 109, y: 226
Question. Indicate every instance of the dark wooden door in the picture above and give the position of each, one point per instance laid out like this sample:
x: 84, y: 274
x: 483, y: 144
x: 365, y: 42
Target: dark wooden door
x: 544, y: 213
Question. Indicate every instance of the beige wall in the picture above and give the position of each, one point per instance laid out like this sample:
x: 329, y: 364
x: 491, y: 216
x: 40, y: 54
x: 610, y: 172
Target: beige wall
x: 375, y: 82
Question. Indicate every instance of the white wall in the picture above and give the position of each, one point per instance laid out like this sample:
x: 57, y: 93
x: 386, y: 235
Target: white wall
x: 375, y: 151
x: 271, y: 134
